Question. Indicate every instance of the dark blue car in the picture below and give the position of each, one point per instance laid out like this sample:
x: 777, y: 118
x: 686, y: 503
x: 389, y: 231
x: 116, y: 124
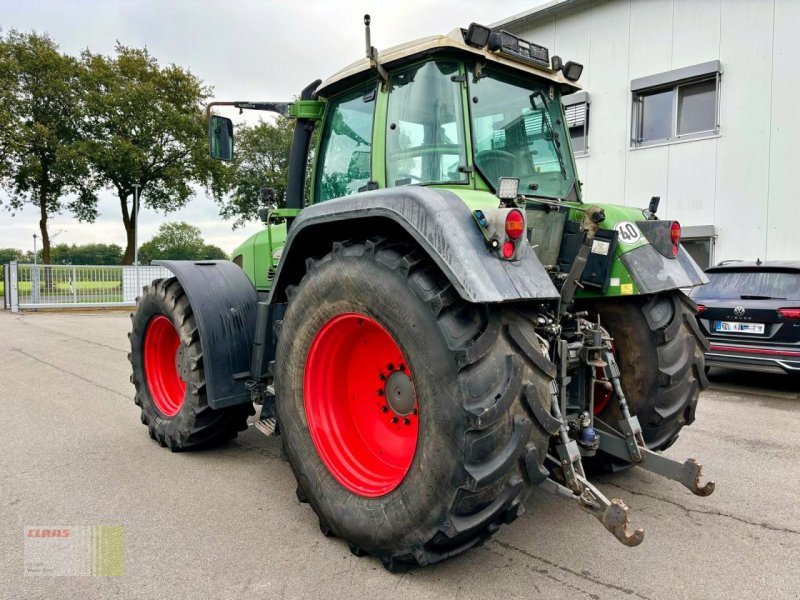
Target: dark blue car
x: 750, y: 312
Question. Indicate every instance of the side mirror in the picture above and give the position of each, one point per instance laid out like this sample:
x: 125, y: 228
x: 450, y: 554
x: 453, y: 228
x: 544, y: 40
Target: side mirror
x: 539, y: 101
x: 267, y: 196
x: 220, y: 138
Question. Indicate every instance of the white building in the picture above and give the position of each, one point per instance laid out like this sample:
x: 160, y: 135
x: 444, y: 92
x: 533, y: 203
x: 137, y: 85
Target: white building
x: 691, y: 100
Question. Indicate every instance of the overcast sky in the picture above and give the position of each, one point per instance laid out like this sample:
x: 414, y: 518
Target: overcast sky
x: 245, y: 50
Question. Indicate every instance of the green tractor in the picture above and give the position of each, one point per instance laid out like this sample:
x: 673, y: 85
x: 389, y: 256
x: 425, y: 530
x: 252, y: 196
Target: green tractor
x: 440, y: 323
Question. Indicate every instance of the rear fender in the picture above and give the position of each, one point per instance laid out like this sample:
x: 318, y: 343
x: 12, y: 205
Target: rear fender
x: 224, y: 304
x: 437, y: 221
x: 639, y: 261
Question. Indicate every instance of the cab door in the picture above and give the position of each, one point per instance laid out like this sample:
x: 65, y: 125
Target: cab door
x: 344, y: 165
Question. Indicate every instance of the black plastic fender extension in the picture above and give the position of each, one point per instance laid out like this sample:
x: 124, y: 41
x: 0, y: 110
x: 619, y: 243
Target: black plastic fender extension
x: 435, y: 219
x: 224, y: 304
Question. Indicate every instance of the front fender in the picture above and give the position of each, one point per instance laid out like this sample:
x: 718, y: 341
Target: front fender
x: 224, y: 303
x: 435, y: 219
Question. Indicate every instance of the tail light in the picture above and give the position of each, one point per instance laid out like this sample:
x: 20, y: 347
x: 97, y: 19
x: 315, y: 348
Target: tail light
x: 504, y: 230
x: 675, y: 237
x: 515, y: 224
x: 675, y: 232
x: 665, y: 236
x: 700, y: 308
x: 789, y: 313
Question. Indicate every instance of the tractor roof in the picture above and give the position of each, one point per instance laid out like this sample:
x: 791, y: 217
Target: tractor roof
x: 436, y: 43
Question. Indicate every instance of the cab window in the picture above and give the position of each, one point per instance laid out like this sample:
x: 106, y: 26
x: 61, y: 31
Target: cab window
x: 425, y: 128
x: 346, y: 153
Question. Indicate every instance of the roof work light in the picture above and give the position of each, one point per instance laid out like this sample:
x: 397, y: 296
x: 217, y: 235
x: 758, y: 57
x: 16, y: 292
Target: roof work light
x: 572, y: 70
x: 477, y: 35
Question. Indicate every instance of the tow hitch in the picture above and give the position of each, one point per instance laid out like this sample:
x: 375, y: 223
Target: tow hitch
x: 624, y: 442
x: 583, y: 350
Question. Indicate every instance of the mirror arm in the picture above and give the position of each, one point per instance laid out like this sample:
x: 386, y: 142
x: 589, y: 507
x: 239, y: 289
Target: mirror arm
x: 277, y: 107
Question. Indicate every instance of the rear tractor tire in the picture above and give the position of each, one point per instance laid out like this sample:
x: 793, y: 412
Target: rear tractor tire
x: 167, y: 360
x: 405, y: 411
x: 660, y: 352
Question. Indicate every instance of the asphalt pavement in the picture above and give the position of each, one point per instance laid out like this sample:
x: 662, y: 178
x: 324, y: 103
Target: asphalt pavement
x: 225, y: 523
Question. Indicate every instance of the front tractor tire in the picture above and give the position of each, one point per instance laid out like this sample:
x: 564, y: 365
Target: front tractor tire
x: 660, y: 352
x: 403, y: 408
x: 167, y: 361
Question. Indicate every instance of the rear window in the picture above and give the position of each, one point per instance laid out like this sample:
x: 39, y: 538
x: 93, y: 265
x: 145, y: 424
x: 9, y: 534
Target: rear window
x: 732, y: 285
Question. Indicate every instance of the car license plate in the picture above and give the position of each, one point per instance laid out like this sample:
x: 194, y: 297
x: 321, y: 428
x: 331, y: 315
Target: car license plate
x: 736, y: 327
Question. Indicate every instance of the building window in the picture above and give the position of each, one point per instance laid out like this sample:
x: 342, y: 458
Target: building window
x: 698, y: 241
x: 676, y: 105
x: 576, y: 113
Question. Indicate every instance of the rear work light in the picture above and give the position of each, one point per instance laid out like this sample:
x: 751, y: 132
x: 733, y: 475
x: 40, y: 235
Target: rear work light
x: 789, y: 313
x: 515, y: 224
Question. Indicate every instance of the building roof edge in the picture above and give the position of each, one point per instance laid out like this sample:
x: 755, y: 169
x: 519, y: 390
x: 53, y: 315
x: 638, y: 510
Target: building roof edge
x: 539, y: 12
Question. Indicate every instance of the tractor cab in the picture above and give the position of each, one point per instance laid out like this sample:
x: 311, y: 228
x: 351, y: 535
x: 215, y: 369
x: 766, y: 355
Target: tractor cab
x: 457, y: 111
x: 446, y: 112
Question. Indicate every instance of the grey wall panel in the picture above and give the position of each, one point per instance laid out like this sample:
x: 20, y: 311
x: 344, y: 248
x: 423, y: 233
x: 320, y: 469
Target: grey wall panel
x: 784, y: 153
x: 696, y: 31
x: 743, y: 151
x: 647, y: 169
x: 647, y: 175
x: 650, y: 23
x: 608, y: 56
x: 582, y: 163
x: 573, y: 40
x: 692, y: 181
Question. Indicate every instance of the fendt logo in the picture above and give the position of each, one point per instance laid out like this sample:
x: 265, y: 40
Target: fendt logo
x: 48, y: 533
x: 739, y: 311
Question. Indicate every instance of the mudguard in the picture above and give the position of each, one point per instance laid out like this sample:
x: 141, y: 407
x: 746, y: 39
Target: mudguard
x: 224, y: 304
x: 438, y: 221
x: 652, y: 272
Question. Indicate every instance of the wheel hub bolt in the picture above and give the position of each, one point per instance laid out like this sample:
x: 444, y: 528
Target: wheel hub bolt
x: 394, y: 419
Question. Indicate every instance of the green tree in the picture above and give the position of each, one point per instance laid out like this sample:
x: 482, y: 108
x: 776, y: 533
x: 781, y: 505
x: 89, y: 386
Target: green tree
x: 41, y: 152
x: 7, y: 87
x: 212, y: 252
x: 178, y: 241
x: 147, y: 128
x: 8, y: 255
x: 261, y: 160
x: 87, y: 254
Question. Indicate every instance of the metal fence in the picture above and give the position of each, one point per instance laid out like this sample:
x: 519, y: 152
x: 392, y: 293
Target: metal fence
x: 29, y: 286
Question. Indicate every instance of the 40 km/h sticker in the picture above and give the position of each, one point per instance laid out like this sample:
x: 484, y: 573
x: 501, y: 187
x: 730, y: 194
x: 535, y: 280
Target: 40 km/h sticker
x: 628, y: 232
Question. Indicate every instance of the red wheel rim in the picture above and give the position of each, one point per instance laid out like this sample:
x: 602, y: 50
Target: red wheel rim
x: 364, y: 429
x: 602, y: 394
x: 161, y: 345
